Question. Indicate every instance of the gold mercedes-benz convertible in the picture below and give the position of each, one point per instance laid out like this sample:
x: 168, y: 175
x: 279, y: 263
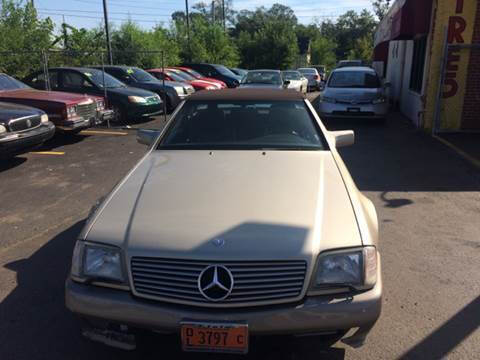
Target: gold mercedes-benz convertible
x: 240, y: 221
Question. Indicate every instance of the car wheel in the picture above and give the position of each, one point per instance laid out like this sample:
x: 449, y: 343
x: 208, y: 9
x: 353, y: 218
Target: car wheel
x: 119, y: 114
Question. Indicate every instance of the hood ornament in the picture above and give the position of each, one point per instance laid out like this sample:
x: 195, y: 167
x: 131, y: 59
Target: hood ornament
x: 218, y: 242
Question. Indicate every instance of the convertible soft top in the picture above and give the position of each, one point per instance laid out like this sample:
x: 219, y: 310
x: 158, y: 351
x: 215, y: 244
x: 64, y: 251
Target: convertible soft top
x: 246, y: 94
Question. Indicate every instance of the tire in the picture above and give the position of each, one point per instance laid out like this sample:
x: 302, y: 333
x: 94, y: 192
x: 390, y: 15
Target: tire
x: 119, y: 114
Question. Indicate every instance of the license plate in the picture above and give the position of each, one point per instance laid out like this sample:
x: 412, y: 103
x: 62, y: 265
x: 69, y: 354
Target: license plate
x: 353, y: 109
x: 214, y: 337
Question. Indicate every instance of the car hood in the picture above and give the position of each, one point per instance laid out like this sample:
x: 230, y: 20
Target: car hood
x: 54, y: 96
x: 260, y: 86
x: 349, y: 94
x: 158, y: 85
x: 14, y: 111
x: 175, y: 203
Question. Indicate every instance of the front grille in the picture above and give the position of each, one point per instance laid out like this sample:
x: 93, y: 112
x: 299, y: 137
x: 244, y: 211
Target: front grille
x: 24, y: 124
x: 258, y: 282
x: 353, y: 113
x: 87, y: 111
x: 354, y: 102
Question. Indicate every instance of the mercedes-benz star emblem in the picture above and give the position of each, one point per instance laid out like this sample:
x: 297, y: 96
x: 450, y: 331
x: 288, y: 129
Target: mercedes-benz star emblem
x: 215, y: 282
x: 218, y: 242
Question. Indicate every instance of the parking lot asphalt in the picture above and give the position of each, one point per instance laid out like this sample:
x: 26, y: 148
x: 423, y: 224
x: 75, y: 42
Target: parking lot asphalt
x: 428, y: 202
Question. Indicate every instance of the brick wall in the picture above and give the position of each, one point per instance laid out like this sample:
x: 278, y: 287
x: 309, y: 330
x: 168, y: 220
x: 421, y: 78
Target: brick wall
x: 471, y: 105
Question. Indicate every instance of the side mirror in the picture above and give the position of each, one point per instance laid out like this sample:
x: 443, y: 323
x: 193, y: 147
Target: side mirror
x: 343, y: 138
x: 146, y: 136
x: 286, y: 83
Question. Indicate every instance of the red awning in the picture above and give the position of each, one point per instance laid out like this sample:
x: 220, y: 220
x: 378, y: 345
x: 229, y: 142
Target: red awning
x: 412, y: 19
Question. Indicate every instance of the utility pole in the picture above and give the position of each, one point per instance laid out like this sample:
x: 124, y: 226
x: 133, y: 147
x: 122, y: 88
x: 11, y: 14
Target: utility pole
x: 188, y: 31
x: 107, y: 33
x: 213, y: 12
x: 223, y: 10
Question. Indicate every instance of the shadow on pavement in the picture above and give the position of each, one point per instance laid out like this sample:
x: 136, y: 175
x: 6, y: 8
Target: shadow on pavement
x: 7, y: 164
x: 443, y: 340
x: 35, y: 324
x: 396, y: 157
x: 62, y: 139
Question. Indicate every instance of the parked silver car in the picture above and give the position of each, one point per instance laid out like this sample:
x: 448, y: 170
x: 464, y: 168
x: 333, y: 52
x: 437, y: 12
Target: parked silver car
x: 354, y: 92
x: 313, y: 77
x: 240, y: 221
x: 264, y: 79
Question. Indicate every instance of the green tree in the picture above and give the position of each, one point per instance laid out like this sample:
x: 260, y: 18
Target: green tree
x: 134, y: 46
x: 21, y: 30
x: 266, y: 37
x: 380, y: 7
x: 208, y: 42
x: 323, y: 52
x: 362, y: 50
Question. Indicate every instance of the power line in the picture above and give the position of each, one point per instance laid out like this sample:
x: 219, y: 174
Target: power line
x: 97, y: 17
x: 110, y: 12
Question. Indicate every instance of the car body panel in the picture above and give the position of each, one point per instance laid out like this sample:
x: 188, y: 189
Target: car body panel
x: 187, y: 235
x: 197, y: 84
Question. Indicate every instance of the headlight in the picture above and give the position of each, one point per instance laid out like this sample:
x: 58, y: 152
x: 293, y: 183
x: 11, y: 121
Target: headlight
x: 100, y: 105
x: 44, y: 118
x: 3, y: 129
x: 327, y: 99
x: 179, y: 90
x: 71, y: 111
x: 137, y: 99
x: 380, y: 100
x: 352, y: 268
x: 98, y: 262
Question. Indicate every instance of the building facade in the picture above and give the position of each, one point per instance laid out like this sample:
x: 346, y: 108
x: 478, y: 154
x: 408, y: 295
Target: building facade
x: 429, y: 50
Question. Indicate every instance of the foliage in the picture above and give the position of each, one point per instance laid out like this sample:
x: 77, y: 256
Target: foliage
x: 262, y: 38
x: 380, y: 7
x: 266, y: 38
x: 208, y: 42
x: 22, y: 31
x: 362, y: 50
x: 131, y: 46
x: 323, y: 52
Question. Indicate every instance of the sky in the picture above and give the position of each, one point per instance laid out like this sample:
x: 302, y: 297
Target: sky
x: 148, y: 13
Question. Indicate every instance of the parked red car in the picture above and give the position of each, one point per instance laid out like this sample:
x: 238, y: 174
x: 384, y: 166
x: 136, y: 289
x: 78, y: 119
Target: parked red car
x: 69, y: 112
x: 199, y: 76
x: 179, y: 76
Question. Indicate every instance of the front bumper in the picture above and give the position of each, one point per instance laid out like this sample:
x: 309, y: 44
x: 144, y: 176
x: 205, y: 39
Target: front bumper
x: 103, y: 116
x: 369, y: 111
x: 136, y: 111
x: 74, y: 124
x: 22, y: 142
x: 318, y: 314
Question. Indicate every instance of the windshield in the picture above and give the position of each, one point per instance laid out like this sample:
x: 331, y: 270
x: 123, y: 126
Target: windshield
x: 194, y: 73
x: 354, y: 79
x: 292, y: 75
x: 224, y: 71
x: 174, y: 76
x: 141, y: 75
x: 9, y: 83
x: 96, y: 77
x: 180, y: 75
x: 308, y: 71
x: 263, y: 77
x: 250, y: 125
